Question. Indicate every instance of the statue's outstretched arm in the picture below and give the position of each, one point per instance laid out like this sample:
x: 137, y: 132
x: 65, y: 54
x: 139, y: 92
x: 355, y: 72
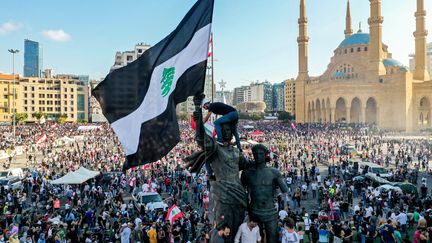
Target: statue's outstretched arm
x: 245, y: 163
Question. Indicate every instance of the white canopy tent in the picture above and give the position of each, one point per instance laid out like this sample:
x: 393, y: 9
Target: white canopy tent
x: 71, y: 178
x: 87, y: 172
x: 76, y: 177
x: 88, y: 128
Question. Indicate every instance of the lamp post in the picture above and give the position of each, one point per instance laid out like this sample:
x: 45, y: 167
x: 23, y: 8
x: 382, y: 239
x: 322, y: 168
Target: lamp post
x: 13, y: 51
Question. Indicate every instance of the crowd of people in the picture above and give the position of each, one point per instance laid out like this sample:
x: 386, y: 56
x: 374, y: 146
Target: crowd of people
x: 323, y: 204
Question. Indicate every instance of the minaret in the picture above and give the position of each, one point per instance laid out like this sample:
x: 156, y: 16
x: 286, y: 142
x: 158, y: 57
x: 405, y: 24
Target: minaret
x: 376, y: 66
x: 348, y: 30
x: 420, y: 35
x: 303, y: 73
x: 303, y: 40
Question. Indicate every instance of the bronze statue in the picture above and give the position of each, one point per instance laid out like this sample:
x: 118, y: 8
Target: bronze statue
x: 226, y: 191
x: 261, y: 183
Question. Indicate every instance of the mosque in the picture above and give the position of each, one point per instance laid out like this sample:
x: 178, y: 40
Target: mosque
x: 363, y: 83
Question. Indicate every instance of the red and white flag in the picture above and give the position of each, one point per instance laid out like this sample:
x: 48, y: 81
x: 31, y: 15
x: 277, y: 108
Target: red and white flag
x: 54, y: 125
x: 173, y: 214
x: 41, y: 139
x: 293, y: 125
x: 210, y: 52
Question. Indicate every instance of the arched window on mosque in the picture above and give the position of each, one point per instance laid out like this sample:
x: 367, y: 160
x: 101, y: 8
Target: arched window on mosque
x: 365, y: 48
x: 352, y: 50
x: 358, y: 49
x: 346, y: 51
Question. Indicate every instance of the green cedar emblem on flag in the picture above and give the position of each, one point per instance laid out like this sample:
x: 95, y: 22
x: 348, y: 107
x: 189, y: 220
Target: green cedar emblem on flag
x: 167, y: 80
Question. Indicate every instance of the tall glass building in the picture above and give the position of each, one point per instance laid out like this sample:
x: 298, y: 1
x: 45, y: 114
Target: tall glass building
x: 32, y: 59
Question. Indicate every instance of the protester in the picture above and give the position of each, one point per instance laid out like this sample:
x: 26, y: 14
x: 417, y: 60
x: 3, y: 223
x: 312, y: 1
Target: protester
x: 312, y: 158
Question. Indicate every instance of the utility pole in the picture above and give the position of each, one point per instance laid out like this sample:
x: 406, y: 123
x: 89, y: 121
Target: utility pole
x: 14, y: 94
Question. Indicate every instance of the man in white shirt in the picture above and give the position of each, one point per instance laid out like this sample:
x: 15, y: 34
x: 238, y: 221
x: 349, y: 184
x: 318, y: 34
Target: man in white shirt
x: 248, y: 232
x: 314, y: 187
x: 402, y: 219
x: 125, y: 233
x: 318, y: 178
x: 283, y: 214
x: 368, y: 212
x: 307, y: 224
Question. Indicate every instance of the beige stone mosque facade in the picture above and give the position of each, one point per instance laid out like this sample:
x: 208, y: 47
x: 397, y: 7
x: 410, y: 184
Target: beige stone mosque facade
x: 362, y: 83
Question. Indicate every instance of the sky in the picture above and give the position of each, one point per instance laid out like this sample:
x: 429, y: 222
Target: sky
x: 254, y: 39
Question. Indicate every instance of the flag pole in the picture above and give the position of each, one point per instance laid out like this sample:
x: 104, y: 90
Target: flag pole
x: 212, y: 67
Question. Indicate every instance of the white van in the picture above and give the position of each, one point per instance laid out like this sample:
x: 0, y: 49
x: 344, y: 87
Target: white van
x: 375, y: 169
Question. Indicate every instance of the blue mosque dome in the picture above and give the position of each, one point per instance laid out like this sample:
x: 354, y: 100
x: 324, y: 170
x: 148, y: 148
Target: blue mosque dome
x: 355, y: 39
x: 392, y: 63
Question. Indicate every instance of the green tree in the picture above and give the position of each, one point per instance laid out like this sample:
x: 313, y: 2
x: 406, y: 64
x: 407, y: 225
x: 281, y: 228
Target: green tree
x: 20, y: 118
x: 39, y: 114
x: 62, y: 118
x: 244, y: 116
x: 285, y: 116
x: 257, y: 116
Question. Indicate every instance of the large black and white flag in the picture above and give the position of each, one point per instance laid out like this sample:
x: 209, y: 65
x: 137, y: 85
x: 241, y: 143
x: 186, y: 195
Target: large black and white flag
x: 140, y: 100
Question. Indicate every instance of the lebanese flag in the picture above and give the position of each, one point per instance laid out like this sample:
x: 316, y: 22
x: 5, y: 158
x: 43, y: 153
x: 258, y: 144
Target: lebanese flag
x: 210, y: 129
x: 140, y: 99
x: 41, y: 139
x: 293, y: 125
x: 173, y: 214
x: 54, y: 125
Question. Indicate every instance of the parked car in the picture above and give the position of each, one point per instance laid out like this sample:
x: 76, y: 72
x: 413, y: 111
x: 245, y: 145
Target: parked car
x: 12, y: 172
x: 9, y: 183
x: 374, y: 169
x: 151, y: 200
x: 349, y: 150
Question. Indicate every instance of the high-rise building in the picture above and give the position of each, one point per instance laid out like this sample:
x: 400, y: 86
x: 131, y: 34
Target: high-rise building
x: 428, y: 59
x: 241, y: 94
x: 124, y: 58
x: 48, y: 73
x: 279, y: 97
x: 49, y: 95
x: 32, y: 59
x: 83, y: 78
x: 290, y: 99
x: 262, y: 92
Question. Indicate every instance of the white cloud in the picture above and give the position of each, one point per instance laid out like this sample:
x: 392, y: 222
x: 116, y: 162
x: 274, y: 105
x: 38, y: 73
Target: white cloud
x: 56, y: 35
x: 9, y: 27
